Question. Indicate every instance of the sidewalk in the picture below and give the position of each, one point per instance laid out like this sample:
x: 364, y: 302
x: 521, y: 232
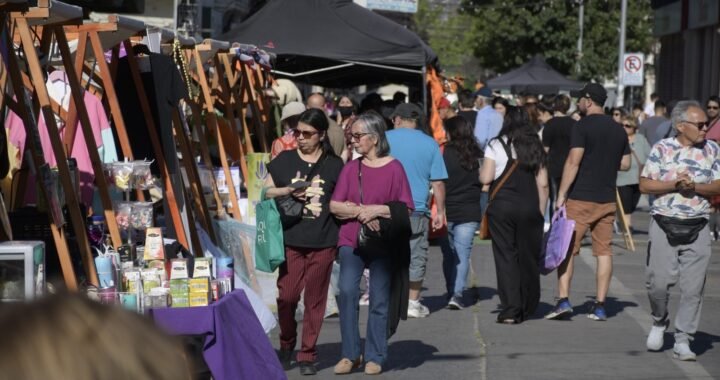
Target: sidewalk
x: 468, y: 344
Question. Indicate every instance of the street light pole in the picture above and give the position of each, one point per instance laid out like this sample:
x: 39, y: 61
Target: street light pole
x: 620, y: 87
x: 581, y: 22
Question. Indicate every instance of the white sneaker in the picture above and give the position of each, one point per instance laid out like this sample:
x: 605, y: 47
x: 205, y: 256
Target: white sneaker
x: 417, y: 310
x: 656, y: 337
x: 681, y: 351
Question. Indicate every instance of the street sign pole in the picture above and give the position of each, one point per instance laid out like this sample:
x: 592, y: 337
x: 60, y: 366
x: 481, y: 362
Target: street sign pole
x: 620, y: 85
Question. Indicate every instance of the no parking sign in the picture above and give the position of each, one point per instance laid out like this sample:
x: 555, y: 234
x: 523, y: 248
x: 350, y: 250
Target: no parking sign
x: 633, y: 69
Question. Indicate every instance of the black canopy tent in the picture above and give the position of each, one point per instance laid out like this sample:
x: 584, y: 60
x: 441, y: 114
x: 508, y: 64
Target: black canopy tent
x: 536, y: 77
x: 335, y: 43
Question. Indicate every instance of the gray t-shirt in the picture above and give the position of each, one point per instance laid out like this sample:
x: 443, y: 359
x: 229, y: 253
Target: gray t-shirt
x: 641, y: 148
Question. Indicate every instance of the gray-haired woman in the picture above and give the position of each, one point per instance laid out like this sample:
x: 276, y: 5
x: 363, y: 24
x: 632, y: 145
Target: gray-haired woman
x: 364, y: 188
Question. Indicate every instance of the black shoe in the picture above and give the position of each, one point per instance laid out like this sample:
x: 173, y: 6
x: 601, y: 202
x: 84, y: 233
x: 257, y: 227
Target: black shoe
x: 285, y: 357
x: 307, y: 368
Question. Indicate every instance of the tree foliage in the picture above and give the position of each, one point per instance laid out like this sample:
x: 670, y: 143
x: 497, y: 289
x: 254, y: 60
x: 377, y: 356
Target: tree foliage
x: 503, y: 34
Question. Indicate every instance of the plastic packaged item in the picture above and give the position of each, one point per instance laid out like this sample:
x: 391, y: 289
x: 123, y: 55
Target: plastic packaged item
x: 121, y: 174
x: 142, y: 177
x: 96, y: 230
x: 122, y: 214
x: 141, y: 215
x: 202, y: 267
x: 154, y: 248
x: 179, y: 269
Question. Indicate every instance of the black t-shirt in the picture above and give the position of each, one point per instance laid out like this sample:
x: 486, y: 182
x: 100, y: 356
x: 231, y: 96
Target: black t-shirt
x: 556, y: 137
x: 462, y: 190
x: 470, y: 116
x: 318, y: 228
x: 605, y: 143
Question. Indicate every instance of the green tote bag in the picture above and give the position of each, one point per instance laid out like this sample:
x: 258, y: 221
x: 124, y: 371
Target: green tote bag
x: 269, y: 243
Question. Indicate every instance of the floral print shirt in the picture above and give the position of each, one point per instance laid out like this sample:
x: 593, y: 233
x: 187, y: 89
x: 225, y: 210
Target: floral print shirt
x: 668, y: 159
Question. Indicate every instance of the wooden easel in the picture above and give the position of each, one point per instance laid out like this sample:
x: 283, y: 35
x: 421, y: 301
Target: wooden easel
x: 625, y: 229
x: 21, y: 29
x: 205, y: 101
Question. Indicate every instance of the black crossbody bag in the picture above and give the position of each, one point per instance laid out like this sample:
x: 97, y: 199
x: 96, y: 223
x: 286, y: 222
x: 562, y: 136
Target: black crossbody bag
x: 680, y: 231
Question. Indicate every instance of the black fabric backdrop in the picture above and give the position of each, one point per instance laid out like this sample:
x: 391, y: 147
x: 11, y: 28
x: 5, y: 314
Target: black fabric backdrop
x: 315, y: 34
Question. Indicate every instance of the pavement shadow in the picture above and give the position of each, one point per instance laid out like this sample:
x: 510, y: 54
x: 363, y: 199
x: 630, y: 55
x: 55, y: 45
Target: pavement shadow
x: 480, y: 293
x: 704, y: 342
x: 612, y: 306
x: 543, y: 309
x: 413, y: 353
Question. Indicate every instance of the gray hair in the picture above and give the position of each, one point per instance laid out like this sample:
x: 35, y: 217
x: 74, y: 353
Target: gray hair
x: 679, y: 112
x: 375, y: 125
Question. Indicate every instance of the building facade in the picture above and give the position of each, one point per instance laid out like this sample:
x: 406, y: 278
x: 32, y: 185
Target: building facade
x: 688, y: 65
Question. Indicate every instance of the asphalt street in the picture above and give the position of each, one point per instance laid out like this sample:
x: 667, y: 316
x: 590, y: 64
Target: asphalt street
x: 469, y: 344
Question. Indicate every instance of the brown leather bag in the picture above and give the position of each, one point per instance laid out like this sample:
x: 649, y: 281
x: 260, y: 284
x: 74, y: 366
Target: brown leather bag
x: 484, y: 232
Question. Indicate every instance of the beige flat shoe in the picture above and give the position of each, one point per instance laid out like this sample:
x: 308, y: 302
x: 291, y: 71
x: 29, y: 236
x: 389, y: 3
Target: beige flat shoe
x: 345, y: 365
x: 372, y: 368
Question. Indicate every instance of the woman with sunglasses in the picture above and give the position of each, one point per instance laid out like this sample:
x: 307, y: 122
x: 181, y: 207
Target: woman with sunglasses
x: 712, y: 109
x: 366, y: 188
x: 628, y: 182
x: 310, y: 244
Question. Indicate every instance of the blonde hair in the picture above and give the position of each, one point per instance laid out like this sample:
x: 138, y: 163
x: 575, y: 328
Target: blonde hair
x: 630, y: 120
x: 71, y: 337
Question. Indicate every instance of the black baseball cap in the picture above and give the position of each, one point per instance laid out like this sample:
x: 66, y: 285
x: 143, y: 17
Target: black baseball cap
x: 408, y: 111
x: 593, y: 91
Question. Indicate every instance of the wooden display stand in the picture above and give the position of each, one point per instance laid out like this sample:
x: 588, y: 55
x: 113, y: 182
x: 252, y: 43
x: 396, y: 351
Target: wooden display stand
x: 624, y: 228
x: 19, y: 28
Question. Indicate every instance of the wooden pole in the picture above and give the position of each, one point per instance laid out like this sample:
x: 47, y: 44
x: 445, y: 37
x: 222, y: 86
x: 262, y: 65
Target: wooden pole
x: 82, y: 113
x: 152, y: 129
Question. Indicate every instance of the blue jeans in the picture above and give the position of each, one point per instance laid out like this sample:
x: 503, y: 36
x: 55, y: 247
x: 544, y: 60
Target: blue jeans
x: 456, y: 248
x: 351, y: 270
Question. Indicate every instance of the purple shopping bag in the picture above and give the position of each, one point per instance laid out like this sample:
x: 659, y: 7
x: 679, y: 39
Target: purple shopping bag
x: 557, y: 241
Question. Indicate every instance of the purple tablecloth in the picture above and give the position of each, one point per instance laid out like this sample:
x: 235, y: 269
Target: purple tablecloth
x: 236, y: 346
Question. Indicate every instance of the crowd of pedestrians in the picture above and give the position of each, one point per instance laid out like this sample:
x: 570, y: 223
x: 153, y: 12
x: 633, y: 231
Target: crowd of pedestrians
x: 375, y: 185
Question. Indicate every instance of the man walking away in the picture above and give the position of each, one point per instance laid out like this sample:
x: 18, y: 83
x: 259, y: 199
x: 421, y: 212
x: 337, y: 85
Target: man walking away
x: 683, y: 172
x: 466, y: 100
x: 334, y: 132
x: 420, y: 156
x: 488, y: 122
x: 598, y: 149
x: 650, y: 126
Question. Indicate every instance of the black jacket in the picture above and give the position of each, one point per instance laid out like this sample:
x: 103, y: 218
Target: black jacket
x: 400, y: 231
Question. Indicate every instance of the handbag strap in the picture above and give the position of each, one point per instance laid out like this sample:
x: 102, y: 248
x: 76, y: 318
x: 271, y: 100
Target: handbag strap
x: 508, y: 172
x: 316, y: 167
x: 359, y: 161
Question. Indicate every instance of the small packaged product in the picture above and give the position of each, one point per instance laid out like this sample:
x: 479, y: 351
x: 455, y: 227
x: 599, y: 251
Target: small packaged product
x: 178, y: 269
x: 122, y: 214
x: 159, y: 266
x: 179, y: 285
x: 198, y: 299
x: 180, y: 301
x: 154, y: 248
x: 202, y: 267
x: 199, y: 285
x: 141, y: 215
x: 121, y: 174
x: 151, y: 279
x: 142, y: 176
x: 131, y: 281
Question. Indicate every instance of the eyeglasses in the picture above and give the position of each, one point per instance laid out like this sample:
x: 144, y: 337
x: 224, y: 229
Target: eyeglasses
x: 358, y: 136
x: 628, y: 126
x: 713, y: 107
x: 305, y: 134
x: 699, y: 125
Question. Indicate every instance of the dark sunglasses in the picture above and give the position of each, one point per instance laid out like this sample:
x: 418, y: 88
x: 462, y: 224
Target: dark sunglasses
x: 305, y: 134
x: 699, y: 125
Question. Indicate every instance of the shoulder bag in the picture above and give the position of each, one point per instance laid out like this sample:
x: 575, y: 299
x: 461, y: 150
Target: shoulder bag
x: 291, y: 209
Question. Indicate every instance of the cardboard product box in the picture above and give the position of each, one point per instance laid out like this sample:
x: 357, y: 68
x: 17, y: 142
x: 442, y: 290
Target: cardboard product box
x: 131, y: 281
x: 180, y: 301
x: 203, y: 267
x: 178, y: 269
x: 199, y: 299
x: 151, y: 279
x: 154, y: 247
x: 159, y: 266
x: 199, y: 285
x: 179, y: 285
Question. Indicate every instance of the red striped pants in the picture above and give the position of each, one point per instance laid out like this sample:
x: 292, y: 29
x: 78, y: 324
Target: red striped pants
x: 309, y: 269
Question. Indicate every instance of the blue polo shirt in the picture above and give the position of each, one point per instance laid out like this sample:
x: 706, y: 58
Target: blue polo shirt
x: 420, y: 156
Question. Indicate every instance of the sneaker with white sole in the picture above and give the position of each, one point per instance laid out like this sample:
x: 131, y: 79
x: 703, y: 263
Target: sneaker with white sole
x: 417, y: 310
x: 682, y: 351
x: 455, y: 303
x: 655, y: 339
